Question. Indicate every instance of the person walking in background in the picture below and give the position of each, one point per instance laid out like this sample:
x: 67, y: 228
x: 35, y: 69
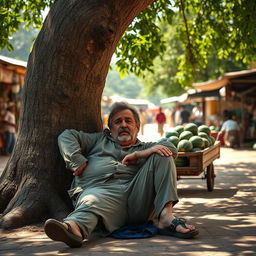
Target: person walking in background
x: 171, y: 115
x: 160, y: 119
x: 2, y: 112
x: 184, y: 115
x: 9, y: 129
x: 254, y: 121
x: 197, y: 114
x: 177, y: 118
x: 143, y: 120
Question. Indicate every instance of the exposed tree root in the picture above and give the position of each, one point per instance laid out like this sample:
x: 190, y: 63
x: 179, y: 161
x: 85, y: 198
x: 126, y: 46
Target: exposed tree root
x: 7, y: 192
x: 32, y: 205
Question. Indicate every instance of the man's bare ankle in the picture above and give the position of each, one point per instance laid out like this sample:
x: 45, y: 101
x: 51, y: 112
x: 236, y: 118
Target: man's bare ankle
x: 75, y: 228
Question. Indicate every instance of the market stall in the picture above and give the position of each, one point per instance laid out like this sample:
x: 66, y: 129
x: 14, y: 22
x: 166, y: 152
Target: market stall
x: 237, y: 94
x: 12, y: 74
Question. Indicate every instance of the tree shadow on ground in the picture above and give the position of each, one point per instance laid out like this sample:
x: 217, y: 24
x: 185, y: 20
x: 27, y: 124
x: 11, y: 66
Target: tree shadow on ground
x: 225, y: 218
x: 217, y: 193
x: 224, y: 237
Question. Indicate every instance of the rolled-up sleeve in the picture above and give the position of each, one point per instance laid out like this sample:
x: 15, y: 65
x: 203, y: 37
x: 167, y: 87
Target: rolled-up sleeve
x: 74, y: 146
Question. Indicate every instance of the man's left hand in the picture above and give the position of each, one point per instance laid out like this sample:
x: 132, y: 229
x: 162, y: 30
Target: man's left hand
x: 157, y: 149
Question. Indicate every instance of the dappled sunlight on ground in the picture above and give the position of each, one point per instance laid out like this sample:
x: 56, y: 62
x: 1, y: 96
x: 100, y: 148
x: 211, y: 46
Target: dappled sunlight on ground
x: 225, y: 218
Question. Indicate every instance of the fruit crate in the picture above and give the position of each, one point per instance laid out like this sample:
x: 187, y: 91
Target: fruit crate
x: 199, y: 162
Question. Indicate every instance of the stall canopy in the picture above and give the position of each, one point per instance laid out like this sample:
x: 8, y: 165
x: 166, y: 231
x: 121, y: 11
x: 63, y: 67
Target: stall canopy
x: 204, y: 94
x: 9, y: 68
x: 180, y: 98
x: 14, y: 62
x: 192, y: 94
x: 242, y: 82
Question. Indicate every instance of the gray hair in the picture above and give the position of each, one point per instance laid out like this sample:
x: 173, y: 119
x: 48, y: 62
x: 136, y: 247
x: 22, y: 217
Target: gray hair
x: 119, y: 106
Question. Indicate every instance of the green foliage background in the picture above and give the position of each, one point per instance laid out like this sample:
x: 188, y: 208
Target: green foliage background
x: 22, y: 42
x: 170, y: 45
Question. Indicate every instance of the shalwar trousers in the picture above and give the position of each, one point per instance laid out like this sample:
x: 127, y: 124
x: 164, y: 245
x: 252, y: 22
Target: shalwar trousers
x: 120, y: 201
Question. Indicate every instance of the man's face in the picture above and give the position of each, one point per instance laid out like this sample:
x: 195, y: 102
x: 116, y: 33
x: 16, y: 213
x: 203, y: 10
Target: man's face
x: 124, y: 128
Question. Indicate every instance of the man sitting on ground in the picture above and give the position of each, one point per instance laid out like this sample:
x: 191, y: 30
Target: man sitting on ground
x: 119, y: 180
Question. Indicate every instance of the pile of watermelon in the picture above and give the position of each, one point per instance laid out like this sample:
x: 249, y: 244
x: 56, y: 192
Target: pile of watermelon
x: 189, y: 138
x: 214, y: 128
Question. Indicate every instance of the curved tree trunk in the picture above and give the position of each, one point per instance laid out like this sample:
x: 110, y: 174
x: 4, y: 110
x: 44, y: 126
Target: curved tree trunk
x: 64, y: 82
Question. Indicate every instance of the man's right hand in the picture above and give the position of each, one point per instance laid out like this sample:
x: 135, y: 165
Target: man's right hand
x: 79, y: 170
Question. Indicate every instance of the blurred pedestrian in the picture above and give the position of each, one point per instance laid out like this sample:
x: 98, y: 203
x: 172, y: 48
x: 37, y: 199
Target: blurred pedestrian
x: 254, y: 121
x: 143, y: 120
x: 171, y: 117
x: 160, y: 119
x: 177, y: 118
x: 231, y: 131
x: 2, y: 112
x: 197, y: 114
x: 9, y: 129
x: 184, y: 115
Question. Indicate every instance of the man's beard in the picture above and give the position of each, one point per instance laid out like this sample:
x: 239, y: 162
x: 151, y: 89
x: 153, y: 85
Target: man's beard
x: 124, y: 137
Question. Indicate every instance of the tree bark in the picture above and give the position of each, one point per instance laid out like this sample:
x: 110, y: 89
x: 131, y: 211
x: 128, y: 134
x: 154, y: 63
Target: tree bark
x: 65, y: 78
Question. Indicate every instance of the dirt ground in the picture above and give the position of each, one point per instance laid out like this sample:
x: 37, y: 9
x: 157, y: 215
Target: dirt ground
x: 225, y: 218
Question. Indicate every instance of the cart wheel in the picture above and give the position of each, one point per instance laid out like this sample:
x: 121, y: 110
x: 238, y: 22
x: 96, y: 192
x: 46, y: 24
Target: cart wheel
x: 210, y: 177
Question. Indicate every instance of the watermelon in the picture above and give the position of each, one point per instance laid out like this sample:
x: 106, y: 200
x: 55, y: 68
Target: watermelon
x: 206, y: 143
x: 181, y: 161
x: 163, y: 140
x: 184, y: 146
x: 203, y: 135
x: 174, y: 140
x: 204, y: 128
x: 197, y: 142
x: 186, y: 135
x: 211, y: 140
x: 212, y: 128
x: 171, y: 133
x: 191, y: 127
x: 179, y: 129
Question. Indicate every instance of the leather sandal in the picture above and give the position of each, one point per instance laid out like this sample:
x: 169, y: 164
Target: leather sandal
x: 57, y: 232
x: 171, y: 230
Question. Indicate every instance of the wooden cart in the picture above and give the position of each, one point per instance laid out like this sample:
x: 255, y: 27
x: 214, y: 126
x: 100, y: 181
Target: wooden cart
x: 199, y: 162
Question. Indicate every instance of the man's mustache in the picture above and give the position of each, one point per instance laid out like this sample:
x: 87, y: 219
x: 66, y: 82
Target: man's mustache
x: 123, y: 130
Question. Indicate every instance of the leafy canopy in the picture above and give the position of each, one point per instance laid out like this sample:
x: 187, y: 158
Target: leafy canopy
x: 22, y: 41
x: 203, y: 28
x: 225, y: 27
x: 13, y: 13
x: 166, y: 76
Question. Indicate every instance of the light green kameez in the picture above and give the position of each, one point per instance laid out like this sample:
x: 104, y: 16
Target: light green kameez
x: 108, y: 190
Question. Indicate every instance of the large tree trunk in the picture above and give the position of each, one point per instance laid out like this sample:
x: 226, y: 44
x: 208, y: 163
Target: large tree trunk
x: 64, y: 82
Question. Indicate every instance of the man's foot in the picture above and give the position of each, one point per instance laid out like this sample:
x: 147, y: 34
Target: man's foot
x: 64, y: 232
x: 73, y: 226
x: 164, y: 223
x: 179, y: 228
x: 173, y: 226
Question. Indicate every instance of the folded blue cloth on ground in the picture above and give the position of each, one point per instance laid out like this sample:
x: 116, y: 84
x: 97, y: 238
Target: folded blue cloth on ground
x: 135, y: 231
